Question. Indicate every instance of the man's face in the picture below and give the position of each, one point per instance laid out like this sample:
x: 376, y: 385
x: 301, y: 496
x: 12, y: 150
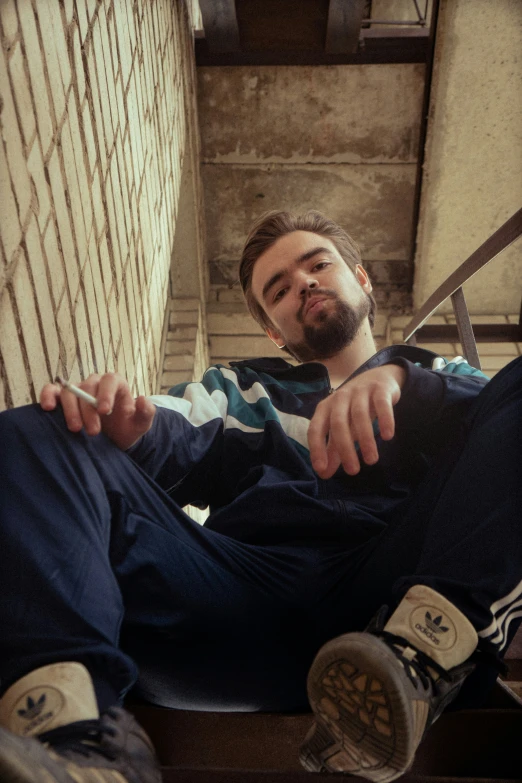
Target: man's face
x: 314, y: 301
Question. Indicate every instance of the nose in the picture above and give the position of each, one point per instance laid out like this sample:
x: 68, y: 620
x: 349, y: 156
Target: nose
x: 306, y: 283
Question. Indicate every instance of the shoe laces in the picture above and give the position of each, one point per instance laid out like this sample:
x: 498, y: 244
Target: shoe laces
x: 418, y: 666
x: 85, y: 737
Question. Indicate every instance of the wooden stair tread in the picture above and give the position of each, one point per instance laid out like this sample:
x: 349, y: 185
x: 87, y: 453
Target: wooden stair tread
x: 462, y: 745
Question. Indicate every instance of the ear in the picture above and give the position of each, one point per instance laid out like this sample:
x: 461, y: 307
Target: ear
x: 275, y: 337
x: 362, y: 276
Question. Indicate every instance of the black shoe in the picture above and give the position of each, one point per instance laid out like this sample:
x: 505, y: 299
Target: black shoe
x: 110, y: 749
x: 375, y: 694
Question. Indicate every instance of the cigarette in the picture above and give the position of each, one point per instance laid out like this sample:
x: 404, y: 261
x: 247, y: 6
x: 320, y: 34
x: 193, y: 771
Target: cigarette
x: 77, y: 392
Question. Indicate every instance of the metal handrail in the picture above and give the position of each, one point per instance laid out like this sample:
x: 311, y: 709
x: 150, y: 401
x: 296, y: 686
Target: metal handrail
x: 510, y: 231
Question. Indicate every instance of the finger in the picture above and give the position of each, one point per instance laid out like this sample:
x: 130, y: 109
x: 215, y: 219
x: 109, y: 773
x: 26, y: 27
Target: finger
x: 49, y: 396
x: 317, y: 433
x: 90, y: 418
x: 342, y: 438
x: 362, y: 429
x: 71, y: 410
x: 334, y: 461
x: 144, y: 414
x: 104, y: 388
x: 383, y: 407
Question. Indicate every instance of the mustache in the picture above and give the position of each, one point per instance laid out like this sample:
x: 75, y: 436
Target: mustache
x: 326, y: 292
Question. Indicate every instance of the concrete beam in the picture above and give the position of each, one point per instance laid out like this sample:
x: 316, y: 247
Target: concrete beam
x: 321, y: 114
x: 373, y: 203
x: 472, y: 181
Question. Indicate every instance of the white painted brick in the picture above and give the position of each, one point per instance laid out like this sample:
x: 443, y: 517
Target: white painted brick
x: 8, y: 19
x: 177, y: 347
x: 26, y: 306
x: 14, y: 146
x: 75, y: 197
x: 103, y: 90
x: 481, y: 319
x: 190, y: 303
x: 113, y: 232
x: 91, y: 8
x: 36, y: 72
x: 55, y: 262
x: 92, y: 309
x: 114, y: 320
x: 79, y: 75
x: 98, y: 203
x: 101, y: 301
x: 184, y: 317
x: 66, y: 332
x: 127, y: 338
x: 43, y: 296
x: 84, y: 351
x: 62, y: 215
x: 68, y: 6
x: 494, y: 362
x: 90, y: 144
x: 173, y: 377
x: 496, y: 349
x: 179, y: 362
x: 52, y: 64
x: 60, y: 41
x: 22, y: 93
x: 19, y: 387
x: 83, y: 21
x: 42, y: 203
x: 110, y: 73
x: 10, y: 229
x: 105, y: 264
x: 241, y: 347
x: 98, y: 119
x: 233, y: 323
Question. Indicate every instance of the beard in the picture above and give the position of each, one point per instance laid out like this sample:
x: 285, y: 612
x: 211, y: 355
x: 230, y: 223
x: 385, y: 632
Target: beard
x: 331, y: 331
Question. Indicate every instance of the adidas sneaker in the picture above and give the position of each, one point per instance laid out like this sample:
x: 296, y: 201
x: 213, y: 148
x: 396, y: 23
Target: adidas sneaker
x: 52, y: 733
x: 375, y: 694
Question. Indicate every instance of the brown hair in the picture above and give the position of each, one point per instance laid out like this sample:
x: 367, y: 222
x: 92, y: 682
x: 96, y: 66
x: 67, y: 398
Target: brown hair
x: 272, y: 226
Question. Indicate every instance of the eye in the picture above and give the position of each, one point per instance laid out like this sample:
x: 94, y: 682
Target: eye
x: 279, y: 295
x: 320, y: 265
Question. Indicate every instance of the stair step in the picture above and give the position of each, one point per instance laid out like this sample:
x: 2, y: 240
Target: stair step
x: 467, y: 745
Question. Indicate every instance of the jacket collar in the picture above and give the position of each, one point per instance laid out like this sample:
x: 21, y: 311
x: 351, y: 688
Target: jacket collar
x: 279, y: 368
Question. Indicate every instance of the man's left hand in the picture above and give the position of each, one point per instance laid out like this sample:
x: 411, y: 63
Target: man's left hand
x: 347, y: 416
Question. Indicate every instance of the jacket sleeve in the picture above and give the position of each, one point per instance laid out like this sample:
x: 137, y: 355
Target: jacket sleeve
x: 434, y: 403
x: 181, y: 451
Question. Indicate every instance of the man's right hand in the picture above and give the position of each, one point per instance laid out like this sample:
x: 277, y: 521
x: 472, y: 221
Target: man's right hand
x: 121, y: 417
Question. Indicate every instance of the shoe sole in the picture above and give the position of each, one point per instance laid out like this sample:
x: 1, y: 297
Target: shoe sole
x: 23, y: 761
x: 364, y: 719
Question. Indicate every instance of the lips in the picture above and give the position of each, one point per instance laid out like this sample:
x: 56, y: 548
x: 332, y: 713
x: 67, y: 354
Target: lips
x: 313, y: 301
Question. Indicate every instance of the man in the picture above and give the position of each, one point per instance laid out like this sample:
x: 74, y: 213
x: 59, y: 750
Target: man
x: 357, y: 490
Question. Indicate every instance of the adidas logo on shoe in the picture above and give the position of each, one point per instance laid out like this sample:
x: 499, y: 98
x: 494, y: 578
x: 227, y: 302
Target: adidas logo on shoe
x: 433, y: 626
x: 35, y: 711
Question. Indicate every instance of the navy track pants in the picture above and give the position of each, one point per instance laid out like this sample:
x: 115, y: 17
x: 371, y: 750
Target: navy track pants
x: 99, y: 565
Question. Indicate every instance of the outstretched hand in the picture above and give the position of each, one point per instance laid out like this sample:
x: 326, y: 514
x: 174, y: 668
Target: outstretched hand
x: 346, y: 417
x: 121, y: 417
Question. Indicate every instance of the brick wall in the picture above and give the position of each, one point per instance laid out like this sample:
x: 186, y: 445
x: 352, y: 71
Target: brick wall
x: 96, y: 99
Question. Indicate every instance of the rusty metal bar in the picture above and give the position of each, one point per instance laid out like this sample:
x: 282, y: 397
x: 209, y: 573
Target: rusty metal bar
x: 220, y: 24
x: 495, y: 244
x: 466, y: 336
x: 344, y: 26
